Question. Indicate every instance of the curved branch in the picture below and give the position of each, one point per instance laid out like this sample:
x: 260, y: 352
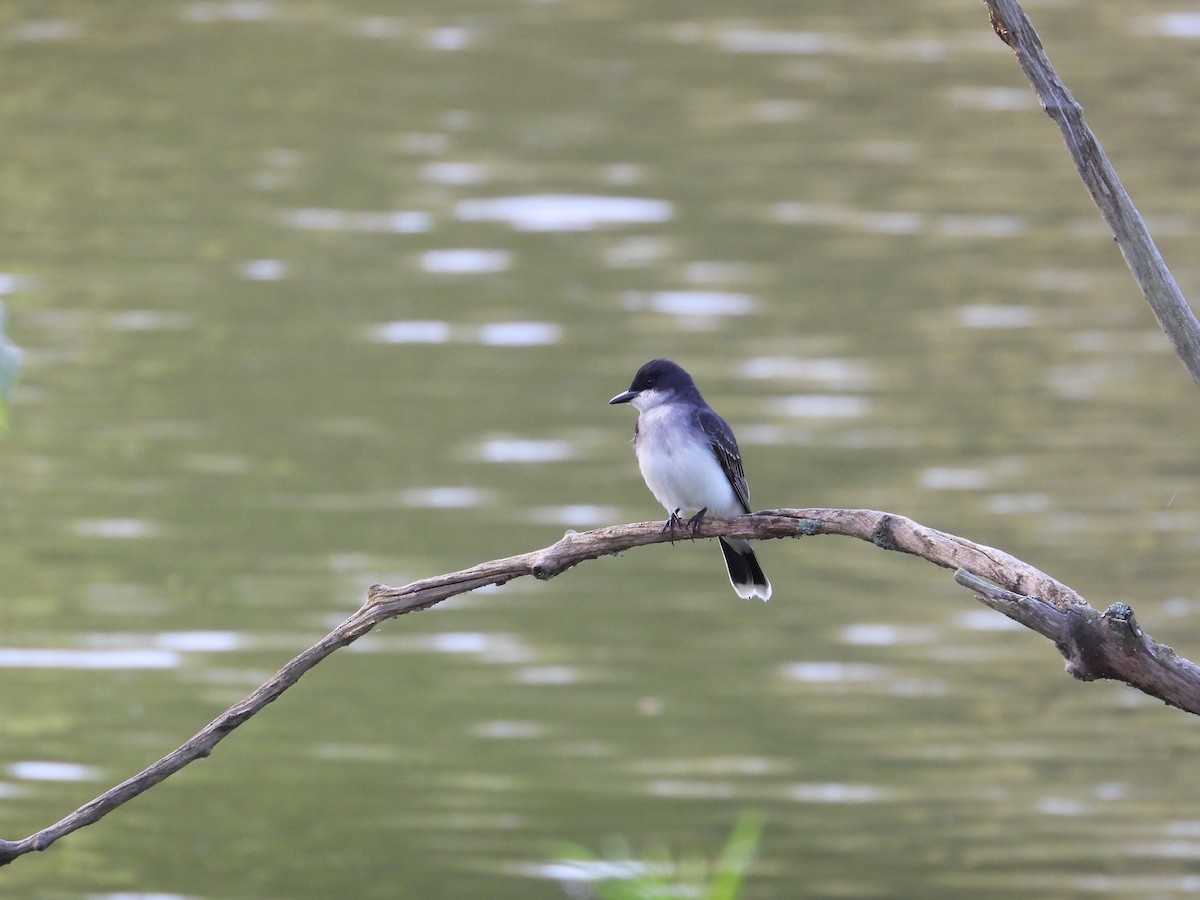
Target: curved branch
x: 1096, y: 646
x: 1158, y: 285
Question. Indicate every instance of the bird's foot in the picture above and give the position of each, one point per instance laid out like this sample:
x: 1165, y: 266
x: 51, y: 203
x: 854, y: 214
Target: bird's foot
x: 673, y: 522
x: 696, y: 521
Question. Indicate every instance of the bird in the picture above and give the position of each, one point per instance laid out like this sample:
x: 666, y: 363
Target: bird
x: 690, y: 460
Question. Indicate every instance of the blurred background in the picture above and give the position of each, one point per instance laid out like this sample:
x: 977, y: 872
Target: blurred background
x: 315, y: 295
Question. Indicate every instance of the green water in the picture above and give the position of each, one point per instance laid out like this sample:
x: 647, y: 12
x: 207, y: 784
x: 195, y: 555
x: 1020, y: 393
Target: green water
x: 318, y: 295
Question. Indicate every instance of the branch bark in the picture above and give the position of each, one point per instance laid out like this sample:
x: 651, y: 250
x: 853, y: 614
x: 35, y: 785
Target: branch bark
x: 1158, y: 285
x: 1109, y: 645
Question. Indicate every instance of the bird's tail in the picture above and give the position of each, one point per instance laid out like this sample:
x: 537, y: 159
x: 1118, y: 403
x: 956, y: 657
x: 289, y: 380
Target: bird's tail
x: 745, y: 574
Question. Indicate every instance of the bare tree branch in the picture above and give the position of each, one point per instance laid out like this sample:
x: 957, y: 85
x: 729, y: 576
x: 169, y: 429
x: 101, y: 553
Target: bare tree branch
x: 1096, y: 646
x: 1141, y: 254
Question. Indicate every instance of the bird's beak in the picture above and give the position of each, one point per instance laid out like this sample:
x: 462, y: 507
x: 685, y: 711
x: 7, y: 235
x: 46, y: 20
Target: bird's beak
x: 623, y: 398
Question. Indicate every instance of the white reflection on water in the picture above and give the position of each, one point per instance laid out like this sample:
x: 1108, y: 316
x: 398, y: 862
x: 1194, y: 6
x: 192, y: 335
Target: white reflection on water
x: 564, y: 212
x: 38, y: 770
x: 569, y: 870
x: 265, y: 270
x: 1078, y: 382
x: 417, y: 331
x: 124, y: 529
x: 997, y: 316
x: 692, y: 790
x: 200, y: 641
x: 216, y: 463
x: 454, y: 172
x: 772, y: 42
x: 997, y: 99
x: 944, y: 478
x: 45, y: 658
x: 449, y: 38
x: 505, y: 449
x: 710, y: 765
x: 497, y: 648
x: 834, y: 372
x: 873, y: 635
x: 381, y: 28
x: 230, y: 11
x: 871, y: 222
x: 450, y: 497
x: 494, y: 334
x: 466, y: 261
x: 882, y: 678
x: 1061, y: 806
x: 981, y: 226
x: 583, y: 515
x: 123, y: 651
x: 364, y: 221
x: 896, y: 222
x: 508, y: 730
x: 1017, y: 504
x: 548, y: 675
x: 836, y: 792
x: 10, y: 283
x: 624, y: 174
x: 692, y: 303
x: 519, y: 334
x: 819, y: 406
x: 45, y: 30
x: 823, y: 672
x: 147, y: 320
x: 381, y: 753
x: 638, y: 251
x: 715, y: 271
x: 1178, y: 25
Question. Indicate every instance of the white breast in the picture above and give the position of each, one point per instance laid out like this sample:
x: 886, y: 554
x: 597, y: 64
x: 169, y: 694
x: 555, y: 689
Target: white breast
x: 682, y: 474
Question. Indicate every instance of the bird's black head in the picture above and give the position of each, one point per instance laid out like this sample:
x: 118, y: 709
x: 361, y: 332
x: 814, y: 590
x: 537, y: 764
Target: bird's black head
x: 660, y: 376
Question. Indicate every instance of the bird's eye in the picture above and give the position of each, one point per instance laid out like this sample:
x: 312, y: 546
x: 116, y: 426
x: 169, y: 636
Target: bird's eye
x: 650, y: 382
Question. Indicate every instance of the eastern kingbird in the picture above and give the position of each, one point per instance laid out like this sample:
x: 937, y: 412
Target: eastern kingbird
x: 690, y: 461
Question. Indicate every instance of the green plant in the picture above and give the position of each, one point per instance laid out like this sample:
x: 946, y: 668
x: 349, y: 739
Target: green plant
x: 620, y: 875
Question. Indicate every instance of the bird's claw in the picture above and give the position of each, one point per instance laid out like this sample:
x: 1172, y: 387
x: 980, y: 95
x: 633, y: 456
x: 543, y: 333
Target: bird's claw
x: 673, y: 522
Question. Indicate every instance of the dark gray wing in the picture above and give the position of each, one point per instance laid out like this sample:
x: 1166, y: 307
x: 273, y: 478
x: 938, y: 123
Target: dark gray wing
x: 724, y: 445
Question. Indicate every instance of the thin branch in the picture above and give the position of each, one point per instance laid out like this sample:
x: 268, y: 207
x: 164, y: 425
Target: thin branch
x: 1012, y: 26
x: 1096, y: 646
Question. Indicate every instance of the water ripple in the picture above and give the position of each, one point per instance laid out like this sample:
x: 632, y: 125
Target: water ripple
x: 492, y: 334
x: 417, y: 331
x: 38, y: 770
x: 466, y: 261
x: 123, y: 529
x: 772, y: 42
x: 506, y: 449
x: 364, y: 221
x: 836, y: 792
x: 691, y: 303
x: 120, y: 660
x: 820, y: 406
x: 564, y: 212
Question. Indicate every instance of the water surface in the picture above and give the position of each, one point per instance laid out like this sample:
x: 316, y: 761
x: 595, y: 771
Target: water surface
x: 320, y: 295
